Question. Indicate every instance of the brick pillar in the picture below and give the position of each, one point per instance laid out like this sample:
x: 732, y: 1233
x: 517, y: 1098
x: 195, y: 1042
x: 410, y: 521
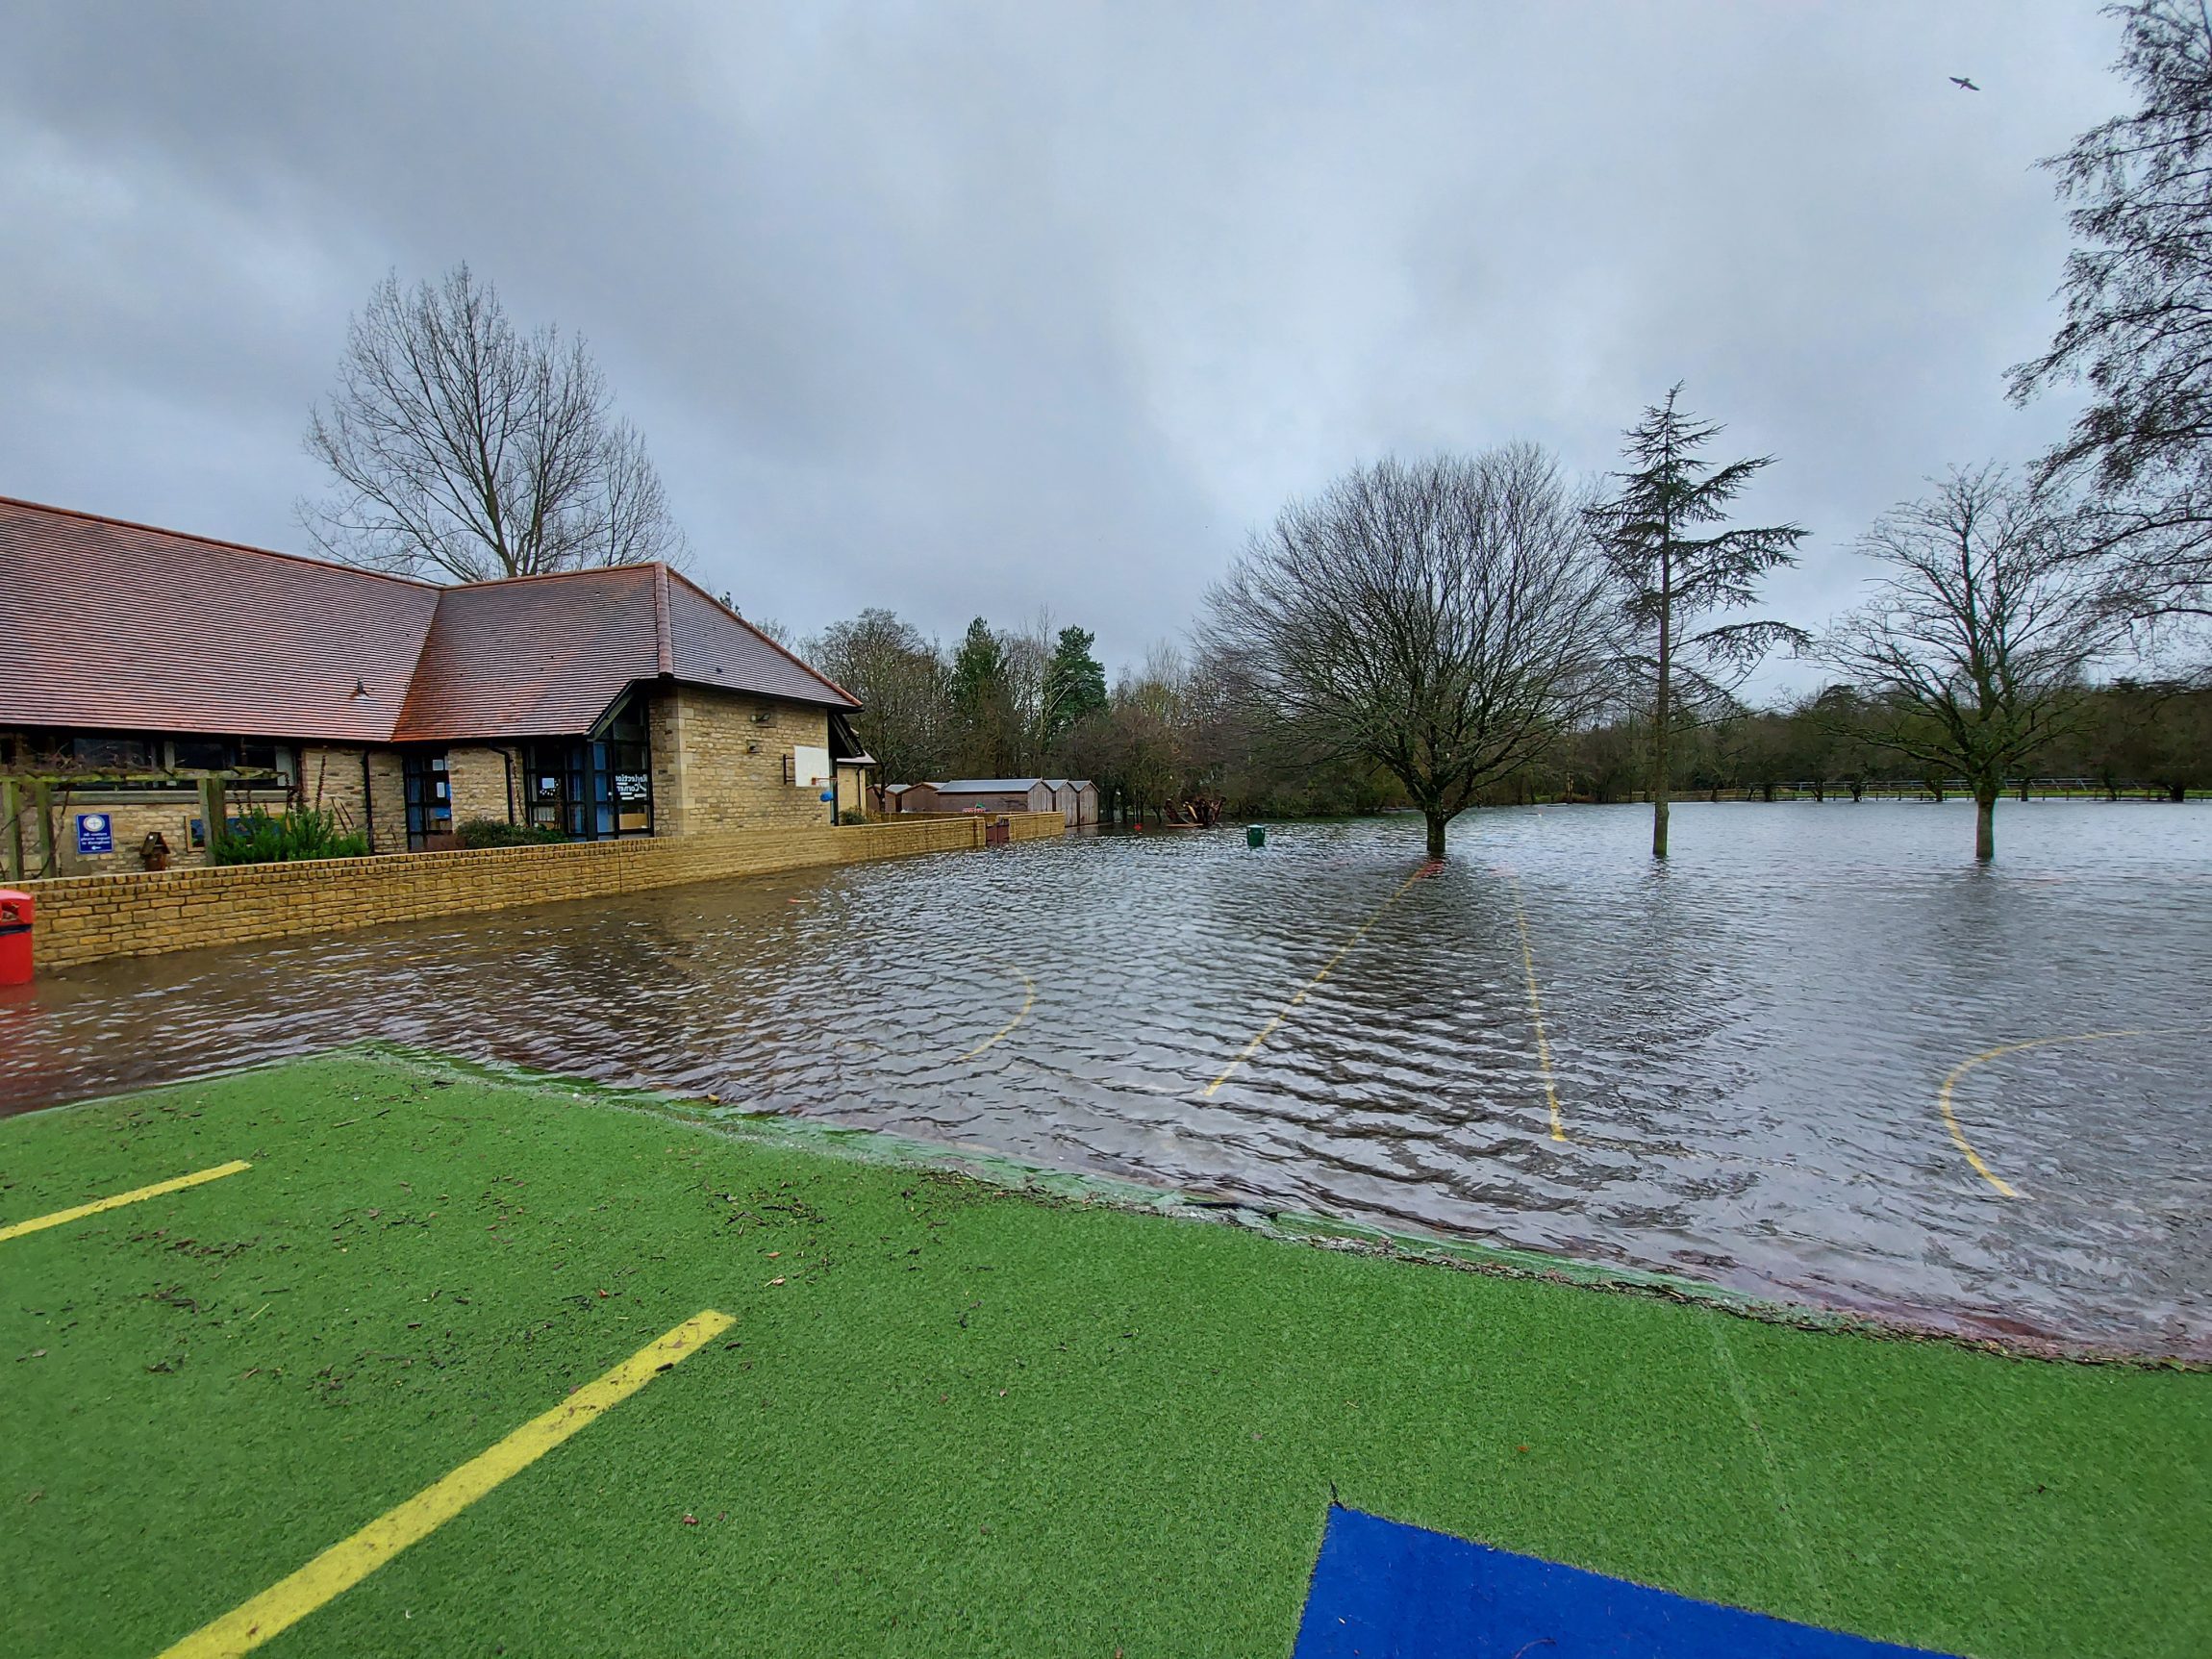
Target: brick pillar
x: 664, y: 730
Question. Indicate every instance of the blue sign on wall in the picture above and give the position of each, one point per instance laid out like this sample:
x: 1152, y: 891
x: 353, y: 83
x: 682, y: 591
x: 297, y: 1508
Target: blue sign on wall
x: 95, y: 833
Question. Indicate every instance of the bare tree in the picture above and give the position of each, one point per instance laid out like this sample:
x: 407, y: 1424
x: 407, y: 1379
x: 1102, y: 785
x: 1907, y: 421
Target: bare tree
x: 1669, y: 578
x: 899, y: 677
x: 1025, y: 653
x: 465, y: 450
x: 1976, y: 649
x: 2138, y: 325
x: 1445, y: 620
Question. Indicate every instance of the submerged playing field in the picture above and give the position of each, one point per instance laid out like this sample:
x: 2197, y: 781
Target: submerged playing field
x: 1819, y: 1056
x: 946, y: 1417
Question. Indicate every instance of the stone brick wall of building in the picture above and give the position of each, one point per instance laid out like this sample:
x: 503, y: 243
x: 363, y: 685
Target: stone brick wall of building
x: 131, y: 813
x: 388, y: 794
x: 331, y: 778
x: 715, y: 768
x: 87, y: 919
x: 479, y: 779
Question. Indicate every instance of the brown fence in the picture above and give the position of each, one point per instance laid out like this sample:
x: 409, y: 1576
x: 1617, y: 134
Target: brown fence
x: 87, y: 919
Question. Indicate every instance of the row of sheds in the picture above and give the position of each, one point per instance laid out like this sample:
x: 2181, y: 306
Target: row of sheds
x: 1076, y: 799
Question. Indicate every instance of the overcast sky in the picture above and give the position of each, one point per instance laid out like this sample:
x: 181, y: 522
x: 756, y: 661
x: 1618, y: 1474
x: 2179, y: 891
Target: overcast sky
x: 964, y: 310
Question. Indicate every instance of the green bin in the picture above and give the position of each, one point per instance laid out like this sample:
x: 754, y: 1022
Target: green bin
x: 1256, y: 835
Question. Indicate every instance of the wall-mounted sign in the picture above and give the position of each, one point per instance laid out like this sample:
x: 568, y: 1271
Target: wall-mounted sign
x: 810, y: 765
x: 95, y: 833
x: 633, y: 787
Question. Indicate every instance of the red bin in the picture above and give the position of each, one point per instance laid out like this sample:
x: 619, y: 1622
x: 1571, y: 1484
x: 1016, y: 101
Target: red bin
x: 15, y: 910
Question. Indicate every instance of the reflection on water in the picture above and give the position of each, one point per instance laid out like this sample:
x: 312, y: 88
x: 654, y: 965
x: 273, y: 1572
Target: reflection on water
x: 1747, y: 1044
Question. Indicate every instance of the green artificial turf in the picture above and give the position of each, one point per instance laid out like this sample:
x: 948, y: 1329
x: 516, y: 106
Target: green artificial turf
x: 967, y: 1421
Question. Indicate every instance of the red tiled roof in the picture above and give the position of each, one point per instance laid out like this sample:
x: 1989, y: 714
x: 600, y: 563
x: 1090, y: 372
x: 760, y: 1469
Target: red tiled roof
x: 706, y: 650
x: 531, y: 657
x: 122, y: 627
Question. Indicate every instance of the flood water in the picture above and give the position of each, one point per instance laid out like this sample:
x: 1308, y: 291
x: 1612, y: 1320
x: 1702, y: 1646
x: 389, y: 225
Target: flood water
x: 1747, y: 1047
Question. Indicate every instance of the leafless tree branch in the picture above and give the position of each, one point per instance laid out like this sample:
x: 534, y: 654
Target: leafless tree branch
x: 462, y: 449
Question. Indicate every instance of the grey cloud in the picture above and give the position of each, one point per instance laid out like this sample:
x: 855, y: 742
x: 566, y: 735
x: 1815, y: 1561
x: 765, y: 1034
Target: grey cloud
x: 964, y: 309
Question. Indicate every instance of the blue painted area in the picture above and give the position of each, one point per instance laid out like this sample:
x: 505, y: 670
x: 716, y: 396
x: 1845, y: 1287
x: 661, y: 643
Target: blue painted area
x: 1386, y: 1590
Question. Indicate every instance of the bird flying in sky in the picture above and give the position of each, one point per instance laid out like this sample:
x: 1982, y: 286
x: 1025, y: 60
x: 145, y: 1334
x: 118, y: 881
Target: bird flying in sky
x: 1963, y: 81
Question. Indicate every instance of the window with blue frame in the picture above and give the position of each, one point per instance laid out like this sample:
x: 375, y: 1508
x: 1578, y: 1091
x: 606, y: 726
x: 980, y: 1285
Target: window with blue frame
x: 429, y: 799
x: 599, y: 788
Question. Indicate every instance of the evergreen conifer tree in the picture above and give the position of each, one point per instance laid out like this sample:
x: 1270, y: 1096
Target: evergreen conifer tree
x: 1669, y: 578
x: 982, y: 701
x: 1074, y: 683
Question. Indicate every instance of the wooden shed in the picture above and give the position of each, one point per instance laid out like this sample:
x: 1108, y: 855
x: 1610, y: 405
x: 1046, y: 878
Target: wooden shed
x: 995, y: 796
x: 1077, y: 799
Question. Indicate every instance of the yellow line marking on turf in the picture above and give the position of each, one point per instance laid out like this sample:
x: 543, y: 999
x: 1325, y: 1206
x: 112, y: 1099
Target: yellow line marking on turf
x: 343, y: 1565
x: 136, y: 1195
x: 1027, y: 1002
x: 1952, y: 1076
x: 1269, y: 1030
x: 1536, y: 1015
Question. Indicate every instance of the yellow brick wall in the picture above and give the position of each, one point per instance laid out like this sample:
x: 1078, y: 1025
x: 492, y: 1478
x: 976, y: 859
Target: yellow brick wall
x: 87, y: 919
x: 715, y: 768
x: 851, y: 790
x: 388, y: 794
x: 131, y: 814
x: 478, y: 780
x: 330, y: 780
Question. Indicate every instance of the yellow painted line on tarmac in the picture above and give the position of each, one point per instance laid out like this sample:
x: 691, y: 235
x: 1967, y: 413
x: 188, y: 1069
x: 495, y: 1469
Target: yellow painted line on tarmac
x: 343, y: 1565
x: 1536, y: 1015
x: 1269, y: 1030
x: 138, y: 1195
x: 1952, y: 1076
x: 1028, y: 1001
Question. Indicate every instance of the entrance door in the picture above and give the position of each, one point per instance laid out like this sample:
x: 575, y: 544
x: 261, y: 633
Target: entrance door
x: 429, y: 801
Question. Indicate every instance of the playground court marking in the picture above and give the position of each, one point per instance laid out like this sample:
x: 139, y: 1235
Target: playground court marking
x: 345, y: 1564
x: 1951, y: 1078
x: 1269, y: 1030
x: 1536, y: 1015
x: 137, y: 1194
x: 1028, y: 1001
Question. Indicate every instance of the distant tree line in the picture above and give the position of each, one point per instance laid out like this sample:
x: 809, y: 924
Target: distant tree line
x: 1171, y: 739
x: 2132, y: 737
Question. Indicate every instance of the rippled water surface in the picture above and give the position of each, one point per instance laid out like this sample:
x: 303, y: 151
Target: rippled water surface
x: 1747, y: 1049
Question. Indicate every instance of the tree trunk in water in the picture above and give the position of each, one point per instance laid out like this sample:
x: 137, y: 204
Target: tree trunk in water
x: 2177, y: 793
x: 1662, y: 712
x: 1436, y: 823
x: 1985, y: 823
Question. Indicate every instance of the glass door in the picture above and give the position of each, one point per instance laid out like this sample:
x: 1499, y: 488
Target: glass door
x: 429, y: 800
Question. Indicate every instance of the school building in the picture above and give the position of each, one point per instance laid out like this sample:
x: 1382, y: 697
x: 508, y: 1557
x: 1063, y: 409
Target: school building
x: 151, y: 680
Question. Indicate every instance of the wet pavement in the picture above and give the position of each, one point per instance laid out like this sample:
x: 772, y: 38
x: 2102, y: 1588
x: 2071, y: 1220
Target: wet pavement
x: 1747, y: 1049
